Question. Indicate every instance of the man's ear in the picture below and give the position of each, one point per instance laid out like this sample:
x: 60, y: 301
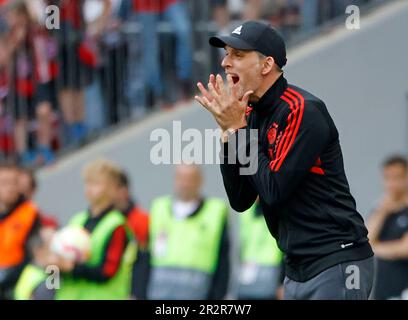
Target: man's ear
x: 268, y: 64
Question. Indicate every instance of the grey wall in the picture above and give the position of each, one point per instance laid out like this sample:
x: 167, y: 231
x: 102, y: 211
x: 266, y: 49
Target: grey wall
x: 362, y: 75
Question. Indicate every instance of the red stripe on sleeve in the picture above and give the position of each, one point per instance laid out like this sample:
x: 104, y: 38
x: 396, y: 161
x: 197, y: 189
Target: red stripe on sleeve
x: 285, y: 136
x: 296, y: 121
x: 115, y: 251
x: 290, y: 129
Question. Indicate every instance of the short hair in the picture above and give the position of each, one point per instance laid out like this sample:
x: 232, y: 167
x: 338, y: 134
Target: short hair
x: 123, y: 179
x: 396, y: 160
x: 102, y: 167
x: 262, y: 56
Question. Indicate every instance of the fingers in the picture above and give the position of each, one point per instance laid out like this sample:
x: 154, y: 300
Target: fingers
x: 231, y: 85
x: 209, y: 95
x: 214, y: 83
x: 204, y: 91
x: 246, y: 96
x: 214, y: 93
x: 204, y: 102
x: 220, y: 83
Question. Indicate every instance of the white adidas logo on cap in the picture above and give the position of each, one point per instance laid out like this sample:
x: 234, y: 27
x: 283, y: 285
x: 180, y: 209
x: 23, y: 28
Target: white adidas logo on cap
x: 237, y: 30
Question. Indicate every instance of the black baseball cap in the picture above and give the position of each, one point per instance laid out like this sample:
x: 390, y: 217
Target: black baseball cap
x: 255, y: 35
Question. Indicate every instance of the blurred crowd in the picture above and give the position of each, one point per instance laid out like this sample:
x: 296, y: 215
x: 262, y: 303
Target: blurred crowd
x: 288, y: 16
x: 184, y: 247
x: 112, y: 61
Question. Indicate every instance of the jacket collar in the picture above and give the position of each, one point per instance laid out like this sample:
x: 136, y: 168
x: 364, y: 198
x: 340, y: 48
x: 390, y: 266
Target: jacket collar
x: 102, y: 214
x: 268, y: 101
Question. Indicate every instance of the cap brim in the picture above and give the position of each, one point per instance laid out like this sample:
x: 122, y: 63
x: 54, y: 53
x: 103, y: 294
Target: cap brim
x: 233, y: 42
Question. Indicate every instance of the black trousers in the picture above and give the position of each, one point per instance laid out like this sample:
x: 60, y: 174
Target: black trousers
x: 351, y: 280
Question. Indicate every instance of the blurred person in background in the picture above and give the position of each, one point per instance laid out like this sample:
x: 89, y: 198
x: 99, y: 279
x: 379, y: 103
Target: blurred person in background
x: 46, y: 100
x: 189, y: 243
x: 78, y: 58
x: 31, y: 73
x: 6, y: 125
x: 388, y: 230
x: 32, y: 283
x: 135, y: 85
x: 309, y: 14
x: 138, y: 223
x: 287, y: 16
x: 18, y: 219
x: 260, y: 258
x: 115, y: 63
x: 28, y: 187
x: 107, y: 273
x: 221, y: 16
x: 176, y: 12
x: 30, y: 69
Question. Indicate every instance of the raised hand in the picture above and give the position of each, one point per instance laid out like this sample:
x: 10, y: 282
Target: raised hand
x: 223, y: 102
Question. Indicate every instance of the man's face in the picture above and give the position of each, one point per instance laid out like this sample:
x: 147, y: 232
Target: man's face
x: 245, y: 67
x: 395, y: 180
x: 187, y: 182
x: 9, y: 187
x: 99, y: 189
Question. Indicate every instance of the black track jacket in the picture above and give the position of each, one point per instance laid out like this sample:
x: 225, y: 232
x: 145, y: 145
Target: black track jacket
x: 300, y: 181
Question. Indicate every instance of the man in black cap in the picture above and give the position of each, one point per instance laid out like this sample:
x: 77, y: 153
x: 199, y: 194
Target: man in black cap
x: 300, y: 176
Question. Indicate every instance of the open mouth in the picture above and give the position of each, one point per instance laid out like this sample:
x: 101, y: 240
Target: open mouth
x: 235, y: 79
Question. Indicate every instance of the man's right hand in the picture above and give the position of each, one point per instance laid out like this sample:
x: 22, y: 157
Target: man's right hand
x: 223, y: 101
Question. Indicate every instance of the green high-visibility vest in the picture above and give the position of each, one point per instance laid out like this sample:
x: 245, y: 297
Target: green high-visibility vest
x: 257, y: 244
x: 31, y: 277
x: 116, y: 288
x: 192, y: 243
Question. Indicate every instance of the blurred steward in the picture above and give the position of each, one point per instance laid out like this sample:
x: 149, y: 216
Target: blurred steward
x: 32, y: 283
x: 18, y: 219
x: 260, y: 258
x: 189, y: 242
x: 107, y: 274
